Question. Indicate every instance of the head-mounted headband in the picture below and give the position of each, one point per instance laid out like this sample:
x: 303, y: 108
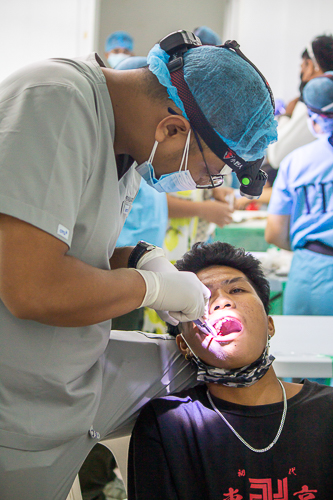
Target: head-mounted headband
x: 251, y: 178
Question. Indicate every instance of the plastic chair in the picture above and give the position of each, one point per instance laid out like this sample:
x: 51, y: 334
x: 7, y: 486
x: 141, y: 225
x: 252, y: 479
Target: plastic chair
x: 75, y: 493
x: 119, y: 447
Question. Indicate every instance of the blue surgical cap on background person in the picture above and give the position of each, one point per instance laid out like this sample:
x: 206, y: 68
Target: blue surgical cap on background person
x: 207, y: 36
x: 134, y: 62
x: 230, y: 93
x: 119, y: 39
x: 318, y: 94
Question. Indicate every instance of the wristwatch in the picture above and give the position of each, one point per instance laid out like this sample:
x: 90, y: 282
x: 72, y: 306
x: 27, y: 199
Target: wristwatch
x: 138, y: 251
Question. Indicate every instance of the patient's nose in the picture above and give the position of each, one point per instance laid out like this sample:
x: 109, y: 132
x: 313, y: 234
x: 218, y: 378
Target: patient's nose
x: 221, y: 301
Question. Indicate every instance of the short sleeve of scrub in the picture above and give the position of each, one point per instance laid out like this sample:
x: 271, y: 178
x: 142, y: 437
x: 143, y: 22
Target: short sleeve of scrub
x: 47, y: 135
x: 281, y: 198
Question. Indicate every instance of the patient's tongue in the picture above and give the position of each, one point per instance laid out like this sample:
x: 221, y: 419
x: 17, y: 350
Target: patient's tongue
x: 230, y: 326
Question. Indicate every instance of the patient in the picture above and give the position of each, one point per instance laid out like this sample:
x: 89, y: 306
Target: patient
x: 240, y: 433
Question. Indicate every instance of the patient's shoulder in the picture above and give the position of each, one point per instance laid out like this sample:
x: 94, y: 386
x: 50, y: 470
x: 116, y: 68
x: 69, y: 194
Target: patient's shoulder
x: 186, y: 398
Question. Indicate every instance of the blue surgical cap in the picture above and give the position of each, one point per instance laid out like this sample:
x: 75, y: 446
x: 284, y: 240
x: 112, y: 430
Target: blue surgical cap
x: 207, y: 36
x: 318, y: 94
x: 119, y: 39
x: 134, y: 62
x: 230, y: 93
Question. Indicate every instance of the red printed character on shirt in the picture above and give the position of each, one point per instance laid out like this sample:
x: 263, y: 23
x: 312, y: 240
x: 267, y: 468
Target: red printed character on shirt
x: 265, y: 485
x: 305, y: 493
x: 232, y: 495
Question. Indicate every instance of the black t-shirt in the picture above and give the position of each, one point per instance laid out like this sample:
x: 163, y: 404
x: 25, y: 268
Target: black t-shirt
x: 181, y: 449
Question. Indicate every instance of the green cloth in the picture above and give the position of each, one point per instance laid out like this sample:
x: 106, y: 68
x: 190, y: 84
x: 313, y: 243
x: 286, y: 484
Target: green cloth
x: 250, y: 238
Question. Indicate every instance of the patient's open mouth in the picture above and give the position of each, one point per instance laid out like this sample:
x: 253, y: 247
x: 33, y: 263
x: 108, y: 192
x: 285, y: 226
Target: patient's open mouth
x: 228, y: 327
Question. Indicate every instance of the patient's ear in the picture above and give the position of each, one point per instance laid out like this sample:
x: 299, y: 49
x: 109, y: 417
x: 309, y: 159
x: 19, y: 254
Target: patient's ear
x: 271, y: 326
x: 181, y: 345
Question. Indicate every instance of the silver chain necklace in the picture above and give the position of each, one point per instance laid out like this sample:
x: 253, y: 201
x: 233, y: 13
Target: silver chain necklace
x: 262, y: 450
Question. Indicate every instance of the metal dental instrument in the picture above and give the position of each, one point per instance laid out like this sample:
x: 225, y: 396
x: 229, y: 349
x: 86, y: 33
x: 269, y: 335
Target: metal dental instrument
x: 205, y: 327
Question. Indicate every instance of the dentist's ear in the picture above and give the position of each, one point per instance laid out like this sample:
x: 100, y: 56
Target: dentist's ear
x: 172, y: 127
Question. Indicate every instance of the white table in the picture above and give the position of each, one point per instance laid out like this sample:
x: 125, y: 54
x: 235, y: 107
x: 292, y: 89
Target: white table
x: 303, y: 346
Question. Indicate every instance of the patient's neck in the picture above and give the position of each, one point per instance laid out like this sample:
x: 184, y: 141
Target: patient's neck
x: 265, y: 391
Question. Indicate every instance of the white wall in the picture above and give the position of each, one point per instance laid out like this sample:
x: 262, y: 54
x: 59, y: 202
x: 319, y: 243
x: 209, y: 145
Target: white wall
x: 149, y: 20
x: 31, y: 30
x: 274, y: 33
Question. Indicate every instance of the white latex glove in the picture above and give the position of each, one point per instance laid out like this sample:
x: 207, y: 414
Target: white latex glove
x: 180, y: 295
x: 156, y: 261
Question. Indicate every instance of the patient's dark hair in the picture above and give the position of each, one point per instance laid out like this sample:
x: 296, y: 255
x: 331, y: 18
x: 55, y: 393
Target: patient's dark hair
x: 203, y: 255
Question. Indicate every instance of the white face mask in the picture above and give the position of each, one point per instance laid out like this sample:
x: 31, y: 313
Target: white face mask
x: 168, y: 183
x: 115, y: 59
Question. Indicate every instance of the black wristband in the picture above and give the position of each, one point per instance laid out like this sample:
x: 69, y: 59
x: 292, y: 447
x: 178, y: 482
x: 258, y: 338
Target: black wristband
x: 138, y: 251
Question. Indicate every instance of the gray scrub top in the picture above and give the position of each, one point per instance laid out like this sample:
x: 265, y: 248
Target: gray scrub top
x: 58, y: 172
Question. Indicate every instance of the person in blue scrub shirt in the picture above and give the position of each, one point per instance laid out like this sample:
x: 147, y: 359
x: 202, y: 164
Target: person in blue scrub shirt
x: 301, y: 208
x: 148, y: 217
x: 146, y: 221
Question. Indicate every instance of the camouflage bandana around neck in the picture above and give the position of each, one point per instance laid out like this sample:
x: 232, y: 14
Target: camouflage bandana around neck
x: 237, y: 377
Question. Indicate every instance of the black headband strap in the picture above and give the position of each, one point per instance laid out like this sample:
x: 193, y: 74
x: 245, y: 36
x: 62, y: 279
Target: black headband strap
x: 318, y: 111
x: 232, y: 44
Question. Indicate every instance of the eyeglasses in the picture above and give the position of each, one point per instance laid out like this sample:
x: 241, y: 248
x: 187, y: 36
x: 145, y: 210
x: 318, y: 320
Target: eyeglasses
x: 215, y: 180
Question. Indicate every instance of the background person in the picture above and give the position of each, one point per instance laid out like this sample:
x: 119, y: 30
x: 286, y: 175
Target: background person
x: 118, y: 47
x: 301, y: 211
x: 240, y: 431
x: 66, y: 126
x: 207, y: 36
x: 293, y: 131
x: 147, y: 219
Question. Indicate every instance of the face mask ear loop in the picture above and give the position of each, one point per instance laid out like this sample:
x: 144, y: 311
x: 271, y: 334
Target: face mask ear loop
x: 152, y: 154
x: 196, y: 357
x: 268, y: 345
x: 185, y: 153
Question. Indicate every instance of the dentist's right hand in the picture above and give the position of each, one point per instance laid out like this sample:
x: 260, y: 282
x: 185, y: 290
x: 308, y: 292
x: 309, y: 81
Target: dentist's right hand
x: 176, y: 296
